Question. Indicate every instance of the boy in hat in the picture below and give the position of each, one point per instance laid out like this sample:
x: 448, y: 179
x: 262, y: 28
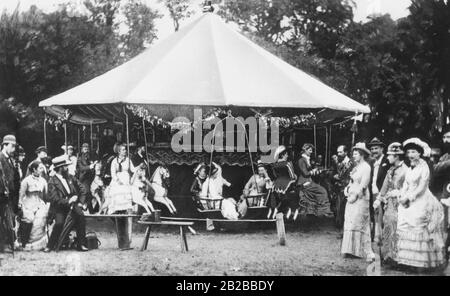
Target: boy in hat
x: 67, y: 197
x: 9, y: 190
x: 379, y: 165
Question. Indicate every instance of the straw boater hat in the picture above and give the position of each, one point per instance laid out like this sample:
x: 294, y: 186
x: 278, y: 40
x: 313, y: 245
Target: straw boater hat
x: 9, y: 139
x: 60, y: 161
x: 40, y: 149
x: 278, y: 151
x: 375, y: 142
x: 419, y: 145
x: 395, y: 149
x: 361, y: 147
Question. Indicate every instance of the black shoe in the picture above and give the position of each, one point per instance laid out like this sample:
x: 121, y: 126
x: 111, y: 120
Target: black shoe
x: 83, y: 249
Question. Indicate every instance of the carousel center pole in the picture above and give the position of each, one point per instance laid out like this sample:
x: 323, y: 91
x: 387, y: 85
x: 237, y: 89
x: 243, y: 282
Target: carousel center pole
x: 326, y: 147
x: 146, y: 148
x: 315, y: 141
x: 45, y: 131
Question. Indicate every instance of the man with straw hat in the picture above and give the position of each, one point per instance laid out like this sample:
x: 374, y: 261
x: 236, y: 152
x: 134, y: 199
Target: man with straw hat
x: 9, y: 189
x: 67, y: 197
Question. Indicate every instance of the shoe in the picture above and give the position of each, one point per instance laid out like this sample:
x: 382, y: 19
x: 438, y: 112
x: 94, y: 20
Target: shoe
x: 46, y: 250
x: 83, y: 249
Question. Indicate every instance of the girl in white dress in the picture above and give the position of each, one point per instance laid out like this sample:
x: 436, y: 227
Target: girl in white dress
x: 119, y: 190
x: 213, y: 189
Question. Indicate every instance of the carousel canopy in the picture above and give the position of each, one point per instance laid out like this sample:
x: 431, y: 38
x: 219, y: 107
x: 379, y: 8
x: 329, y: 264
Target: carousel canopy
x: 206, y: 63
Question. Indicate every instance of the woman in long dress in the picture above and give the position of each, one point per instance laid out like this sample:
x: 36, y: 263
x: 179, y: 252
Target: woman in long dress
x: 119, y: 190
x: 33, y: 189
x: 389, y: 195
x: 313, y: 198
x: 420, y: 215
x: 356, y: 241
x: 283, y: 184
x: 213, y: 189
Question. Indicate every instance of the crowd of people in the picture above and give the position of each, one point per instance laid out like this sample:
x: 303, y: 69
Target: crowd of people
x: 396, y: 196
x: 39, y: 200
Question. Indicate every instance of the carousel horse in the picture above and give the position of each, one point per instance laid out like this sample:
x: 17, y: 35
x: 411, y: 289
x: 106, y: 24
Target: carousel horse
x: 140, y: 189
x: 160, y: 184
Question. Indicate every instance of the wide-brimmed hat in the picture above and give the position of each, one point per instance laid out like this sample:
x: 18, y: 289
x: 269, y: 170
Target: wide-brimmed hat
x: 9, y: 139
x: 375, y: 142
x: 278, y: 151
x: 40, y: 149
x: 361, y: 147
x: 395, y: 149
x: 60, y: 161
x: 419, y: 145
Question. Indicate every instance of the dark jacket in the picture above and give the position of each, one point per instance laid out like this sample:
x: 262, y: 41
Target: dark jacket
x: 9, y: 183
x: 59, y: 197
x: 137, y: 160
x: 382, y: 171
x: 303, y: 171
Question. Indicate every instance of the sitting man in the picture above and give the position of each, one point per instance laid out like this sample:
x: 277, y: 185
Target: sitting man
x: 66, y: 196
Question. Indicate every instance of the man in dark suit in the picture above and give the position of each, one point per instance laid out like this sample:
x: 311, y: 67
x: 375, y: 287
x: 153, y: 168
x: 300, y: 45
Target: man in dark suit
x: 67, y: 197
x: 9, y: 191
x: 380, y: 165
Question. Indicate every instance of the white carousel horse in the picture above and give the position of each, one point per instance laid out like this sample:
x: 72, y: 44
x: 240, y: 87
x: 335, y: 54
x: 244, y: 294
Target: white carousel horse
x: 159, y: 183
x: 139, y: 190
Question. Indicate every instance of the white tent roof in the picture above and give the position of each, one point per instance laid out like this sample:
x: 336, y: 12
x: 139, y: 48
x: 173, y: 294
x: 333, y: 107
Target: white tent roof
x: 207, y: 63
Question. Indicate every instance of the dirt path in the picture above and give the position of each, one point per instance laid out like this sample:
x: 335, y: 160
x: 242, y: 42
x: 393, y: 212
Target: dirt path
x: 308, y: 252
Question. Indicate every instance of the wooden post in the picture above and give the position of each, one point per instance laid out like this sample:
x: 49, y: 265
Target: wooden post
x: 183, y: 241
x: 315, y: 141
x: 146, y: 238
x: 280, y: 229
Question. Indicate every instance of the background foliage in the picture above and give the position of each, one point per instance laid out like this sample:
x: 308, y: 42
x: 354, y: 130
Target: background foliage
x: 399, y: 68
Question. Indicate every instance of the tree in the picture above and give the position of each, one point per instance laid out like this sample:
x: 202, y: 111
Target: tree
x: 178, y: 10
x: 141, y: 31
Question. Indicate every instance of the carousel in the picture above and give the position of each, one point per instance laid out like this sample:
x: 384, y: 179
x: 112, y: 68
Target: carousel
x: 202, y: 75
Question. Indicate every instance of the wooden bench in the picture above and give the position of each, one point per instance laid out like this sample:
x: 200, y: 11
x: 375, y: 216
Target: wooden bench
x: 182, y: 225
x: 124, y: 228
